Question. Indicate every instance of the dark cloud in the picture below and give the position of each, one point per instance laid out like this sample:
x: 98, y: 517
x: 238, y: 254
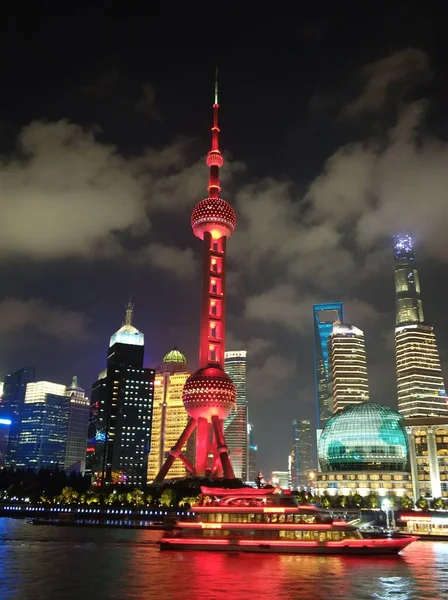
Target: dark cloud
x: 36, y: 315
x: 394, y: 76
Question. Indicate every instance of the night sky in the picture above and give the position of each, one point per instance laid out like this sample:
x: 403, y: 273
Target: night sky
x: 335, y: 130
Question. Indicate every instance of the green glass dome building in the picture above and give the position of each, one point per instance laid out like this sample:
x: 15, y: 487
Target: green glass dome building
x: 364, y: 437
x: 174, y: 356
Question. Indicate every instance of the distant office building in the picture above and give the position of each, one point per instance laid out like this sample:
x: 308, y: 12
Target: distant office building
x: 44, y: 426
x: 301, y: 459
x: 420, y: 384
x: 169, y: 416
x: 121, y: 411
x: 12, y: 403
x: 324, y: 315
x: 348, y: 366
x: 235, y: 425
x: 78, y: 421
x: 5, y: 425
x: 280, y: 479
x: 253, y: 448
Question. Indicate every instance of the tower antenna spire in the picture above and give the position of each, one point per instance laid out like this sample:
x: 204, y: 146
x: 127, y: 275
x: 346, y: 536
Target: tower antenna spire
x: 216, y: 86
x: 214, y: 157
x: 128, y: 314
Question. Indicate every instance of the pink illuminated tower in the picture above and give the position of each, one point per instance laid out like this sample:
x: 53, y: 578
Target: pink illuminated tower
x: 209, y: 394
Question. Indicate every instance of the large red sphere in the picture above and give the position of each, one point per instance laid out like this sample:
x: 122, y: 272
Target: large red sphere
x: 214, y: 215
x: 208, y: 392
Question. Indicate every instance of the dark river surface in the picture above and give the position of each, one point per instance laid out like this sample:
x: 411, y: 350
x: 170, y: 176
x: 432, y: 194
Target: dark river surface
x: 68, y: 563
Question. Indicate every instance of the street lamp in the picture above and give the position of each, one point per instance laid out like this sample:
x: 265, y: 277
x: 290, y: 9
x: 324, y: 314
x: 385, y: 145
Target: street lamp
x: 385, y: 506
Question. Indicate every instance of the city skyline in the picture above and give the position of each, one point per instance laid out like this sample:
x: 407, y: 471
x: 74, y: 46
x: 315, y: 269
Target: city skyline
x: 103, y: 154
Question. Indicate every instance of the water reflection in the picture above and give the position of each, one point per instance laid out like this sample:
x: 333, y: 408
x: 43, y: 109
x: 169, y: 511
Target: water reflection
x: 72, y: 563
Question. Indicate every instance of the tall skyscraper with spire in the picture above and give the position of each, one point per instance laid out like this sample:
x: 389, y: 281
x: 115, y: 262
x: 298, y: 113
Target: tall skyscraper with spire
x: 420, y: 385
x: 121, y: 411
x: 209, y: 394
x: 324, y: 315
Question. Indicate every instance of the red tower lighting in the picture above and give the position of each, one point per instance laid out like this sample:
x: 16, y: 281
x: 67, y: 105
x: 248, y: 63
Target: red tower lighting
x: 209, y: 394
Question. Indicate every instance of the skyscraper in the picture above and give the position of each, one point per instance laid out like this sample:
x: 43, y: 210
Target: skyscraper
x: 169, y: 416
x: 301, y: 457
x: 407, y: 284
x: 78, y: 421
x: 12, y: 403
x: 235, y: 425
x: 43, y: 427
x: 348, y: 366
x: 324, y: 315
x: 253, y: 448
x: 420, y: 385
x: 121, y: 411
x: 209, y: 394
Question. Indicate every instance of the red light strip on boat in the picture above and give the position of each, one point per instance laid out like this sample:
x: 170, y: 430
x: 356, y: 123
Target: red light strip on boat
x: 246, y: 509
x: 288, y: 526
x: 366, y: 543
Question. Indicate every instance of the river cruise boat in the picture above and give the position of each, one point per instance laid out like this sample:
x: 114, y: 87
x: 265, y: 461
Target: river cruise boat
x: 270, y: 520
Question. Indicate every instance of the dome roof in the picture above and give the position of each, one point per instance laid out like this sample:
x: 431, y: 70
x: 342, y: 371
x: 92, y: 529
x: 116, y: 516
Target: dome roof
x: 174, y: 356
x: 364, y: 437
x: 128, y: 334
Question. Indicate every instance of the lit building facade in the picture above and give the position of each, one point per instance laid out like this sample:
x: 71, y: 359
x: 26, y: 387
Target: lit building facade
x: 420, y: 385
x: 121, y: 412
x: 5, y: 425
x: 235, y: 426
x: 348, y: 366
x: 252, y: 453
x: 12, y: 402
x: 300, y: 462
x: 78, y: 421
x: 280, y: 479
x: 407, y: 285
x: 428, y: 449
x: 364, y: 449
x: 324, y: 315
x: 169, y: 417
x: 43, y: 426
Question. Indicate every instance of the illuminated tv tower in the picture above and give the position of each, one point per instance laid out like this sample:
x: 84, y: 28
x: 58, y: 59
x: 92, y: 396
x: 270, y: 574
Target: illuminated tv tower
x: 209, y: 394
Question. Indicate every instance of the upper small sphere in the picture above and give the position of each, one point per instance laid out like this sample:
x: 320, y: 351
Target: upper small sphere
x: 364, y: 437
x: 214, y: 159
x: 214, y: 215
x: 209, y: 392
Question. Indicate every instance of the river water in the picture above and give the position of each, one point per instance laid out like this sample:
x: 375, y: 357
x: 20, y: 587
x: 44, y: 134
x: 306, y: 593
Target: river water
x: 68, y: 563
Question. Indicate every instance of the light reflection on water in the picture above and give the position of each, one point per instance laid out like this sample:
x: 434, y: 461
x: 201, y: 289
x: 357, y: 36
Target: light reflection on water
x: 49, y: 563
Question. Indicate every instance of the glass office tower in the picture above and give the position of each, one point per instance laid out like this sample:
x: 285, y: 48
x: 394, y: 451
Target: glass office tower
x: 324, y: 315
x: 420, y: 385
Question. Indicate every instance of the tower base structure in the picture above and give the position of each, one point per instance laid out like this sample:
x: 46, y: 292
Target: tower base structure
x: 208, y: 396
x: 212, y: 454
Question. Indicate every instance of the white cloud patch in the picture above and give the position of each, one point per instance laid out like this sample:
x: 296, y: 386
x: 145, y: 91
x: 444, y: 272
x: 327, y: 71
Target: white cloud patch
x: 36, y: 315
x: 255, y: 346
x: 65, y: 194
x: 264, y: 381
x: 179, y: 263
